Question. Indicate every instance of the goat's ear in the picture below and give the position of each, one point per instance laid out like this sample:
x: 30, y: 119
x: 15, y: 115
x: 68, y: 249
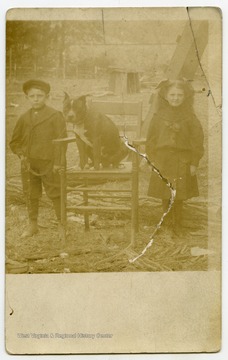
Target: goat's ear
x: 67, y: 97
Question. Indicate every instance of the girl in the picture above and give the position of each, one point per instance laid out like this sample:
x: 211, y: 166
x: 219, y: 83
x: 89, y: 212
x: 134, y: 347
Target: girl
x: 175, y: 146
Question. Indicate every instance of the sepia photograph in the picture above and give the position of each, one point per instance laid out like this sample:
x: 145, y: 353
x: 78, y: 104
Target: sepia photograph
x: 107, y: 145
x: 113, y: 146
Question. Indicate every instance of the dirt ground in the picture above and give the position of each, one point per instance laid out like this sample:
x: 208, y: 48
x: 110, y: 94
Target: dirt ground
x: 106, y: 246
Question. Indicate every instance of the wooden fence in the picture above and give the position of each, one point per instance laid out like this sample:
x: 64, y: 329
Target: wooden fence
x: 69, y: 71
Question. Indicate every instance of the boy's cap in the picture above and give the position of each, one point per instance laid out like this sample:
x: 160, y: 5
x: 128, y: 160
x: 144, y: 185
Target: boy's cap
x: 37, y: 84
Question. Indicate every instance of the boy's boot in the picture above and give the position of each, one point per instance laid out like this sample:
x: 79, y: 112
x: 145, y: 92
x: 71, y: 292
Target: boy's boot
x: 61, y: 227
x: 61, y: 231
x: 32, y: 229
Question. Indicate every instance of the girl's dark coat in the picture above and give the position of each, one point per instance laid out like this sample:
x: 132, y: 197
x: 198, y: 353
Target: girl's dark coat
x: 174, y: 142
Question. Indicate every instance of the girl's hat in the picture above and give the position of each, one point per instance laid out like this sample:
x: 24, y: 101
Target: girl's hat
x: 36, y: 84
x: 182, y: 83
x: 165, y: 83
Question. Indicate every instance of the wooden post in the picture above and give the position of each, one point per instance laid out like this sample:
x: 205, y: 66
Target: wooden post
x: 64, y: 65
x: 77, y: 71
x: 63, y: 191
x: 135, y: 198
x: 15, y: 70
x: 86, y: 198
x: 10, y: 64
x: 133, y: 83
x: 35, y: 69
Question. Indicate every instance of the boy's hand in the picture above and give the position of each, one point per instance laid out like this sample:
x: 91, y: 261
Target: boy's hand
x: 57, y: 169
x: 22, y: 157
x: 24, y: 163
x: 193, y: 170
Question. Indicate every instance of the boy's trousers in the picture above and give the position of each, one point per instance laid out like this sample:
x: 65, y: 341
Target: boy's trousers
x: 35, y: 175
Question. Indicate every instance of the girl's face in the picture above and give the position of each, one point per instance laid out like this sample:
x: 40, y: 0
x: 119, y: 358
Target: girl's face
x: 175, y: 96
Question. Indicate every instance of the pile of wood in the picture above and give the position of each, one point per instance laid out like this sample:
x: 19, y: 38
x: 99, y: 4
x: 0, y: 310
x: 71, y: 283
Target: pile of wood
x: 15, y: 195
x: 14, y: 192
x: 171, y: 257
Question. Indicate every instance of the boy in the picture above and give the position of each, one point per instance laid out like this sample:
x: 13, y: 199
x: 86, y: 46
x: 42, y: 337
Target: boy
x: 32, y: 141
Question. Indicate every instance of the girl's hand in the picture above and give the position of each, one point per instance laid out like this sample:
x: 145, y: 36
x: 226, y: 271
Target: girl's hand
x: 193, y: 170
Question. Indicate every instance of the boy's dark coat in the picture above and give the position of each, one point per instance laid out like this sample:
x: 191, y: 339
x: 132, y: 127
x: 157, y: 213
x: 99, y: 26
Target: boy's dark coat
x: 33, y: 135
